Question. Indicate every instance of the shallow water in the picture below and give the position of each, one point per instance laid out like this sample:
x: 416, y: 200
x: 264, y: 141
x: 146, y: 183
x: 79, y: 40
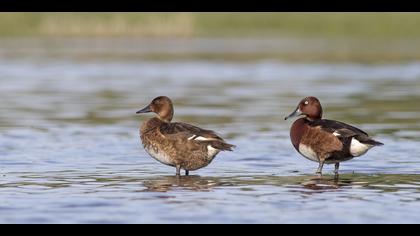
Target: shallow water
x: 70, y: 151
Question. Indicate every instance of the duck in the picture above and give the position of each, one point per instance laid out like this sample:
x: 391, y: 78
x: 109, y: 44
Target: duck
x: 326, y: 141
x: 180, y: 145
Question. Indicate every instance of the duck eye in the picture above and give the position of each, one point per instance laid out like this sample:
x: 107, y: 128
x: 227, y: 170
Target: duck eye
x: 306, y: 102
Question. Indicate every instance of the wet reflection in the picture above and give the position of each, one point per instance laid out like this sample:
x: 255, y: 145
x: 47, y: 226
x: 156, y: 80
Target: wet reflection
x: 381, y: 182
x: 192, y: 183
x: 169, y: 183
x: 202, y: 183
x: 137, y: 192
x: 323, y: 184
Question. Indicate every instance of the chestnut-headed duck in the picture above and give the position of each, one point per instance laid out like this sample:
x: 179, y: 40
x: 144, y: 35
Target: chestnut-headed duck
x: 326, y: 141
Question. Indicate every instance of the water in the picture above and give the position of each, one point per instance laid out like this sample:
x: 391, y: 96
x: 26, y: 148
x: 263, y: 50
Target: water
x: 70, y: 150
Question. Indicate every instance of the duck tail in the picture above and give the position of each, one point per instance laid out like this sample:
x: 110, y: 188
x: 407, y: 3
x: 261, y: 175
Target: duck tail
x: 222, y: 146
x: 373, y: 142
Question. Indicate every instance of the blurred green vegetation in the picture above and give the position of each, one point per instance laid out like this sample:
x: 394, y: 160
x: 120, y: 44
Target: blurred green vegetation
x: 361, y: 37
x: 355, y: 25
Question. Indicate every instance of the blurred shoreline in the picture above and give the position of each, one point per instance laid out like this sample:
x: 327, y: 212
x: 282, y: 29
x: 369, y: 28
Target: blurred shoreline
x: 229, y: 49
x: 294, y: 37
x: 379, y: 26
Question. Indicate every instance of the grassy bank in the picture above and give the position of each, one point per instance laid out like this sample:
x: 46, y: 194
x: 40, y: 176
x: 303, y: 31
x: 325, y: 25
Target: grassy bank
x: 331, y: 25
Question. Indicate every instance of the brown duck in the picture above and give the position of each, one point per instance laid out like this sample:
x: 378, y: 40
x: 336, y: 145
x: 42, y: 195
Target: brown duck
x: 177, y: 144
x: 326, y: 141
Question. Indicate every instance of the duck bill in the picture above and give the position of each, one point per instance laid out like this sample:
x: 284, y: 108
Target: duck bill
x: 296, y: 113
x: 144, y: 110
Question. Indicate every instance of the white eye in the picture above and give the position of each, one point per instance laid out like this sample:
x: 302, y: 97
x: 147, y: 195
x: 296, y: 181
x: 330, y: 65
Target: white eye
x: 306, y: 102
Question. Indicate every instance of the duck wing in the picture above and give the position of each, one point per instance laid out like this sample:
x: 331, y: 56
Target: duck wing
x: 338, y: 128
x: 187, y: 132
x: 343, y: 130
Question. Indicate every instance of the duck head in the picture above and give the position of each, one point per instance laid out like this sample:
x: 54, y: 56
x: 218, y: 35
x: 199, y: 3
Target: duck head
x: 309, y: 107
x: 163, y: 108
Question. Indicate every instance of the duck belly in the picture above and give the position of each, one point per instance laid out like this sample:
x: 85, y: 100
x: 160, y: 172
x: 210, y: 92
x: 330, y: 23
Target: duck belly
x: 308, y: 152
x: 160, y: 156
x: 332, y: 158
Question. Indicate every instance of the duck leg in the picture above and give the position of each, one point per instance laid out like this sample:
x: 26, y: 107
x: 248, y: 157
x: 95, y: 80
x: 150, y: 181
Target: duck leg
x: 319, y: 171
x: 187, y: 172
x: 337, y: 166
x: 178, y: 170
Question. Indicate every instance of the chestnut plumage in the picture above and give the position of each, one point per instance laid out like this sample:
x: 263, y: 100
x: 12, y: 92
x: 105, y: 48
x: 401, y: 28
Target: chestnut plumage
x: 326, y: 141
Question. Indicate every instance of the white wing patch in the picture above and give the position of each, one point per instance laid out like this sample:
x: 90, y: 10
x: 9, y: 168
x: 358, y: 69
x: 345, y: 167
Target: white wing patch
x: 200, y: 138
x: 337, y: 134
x: 357, y: 148
x: 211, y: 151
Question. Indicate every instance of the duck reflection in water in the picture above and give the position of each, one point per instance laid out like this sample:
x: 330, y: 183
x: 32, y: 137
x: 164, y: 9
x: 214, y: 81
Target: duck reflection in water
x: 191, y: 182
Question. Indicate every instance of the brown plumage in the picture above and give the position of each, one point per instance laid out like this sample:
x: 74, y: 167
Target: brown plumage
x: 326, y: 141
x: 178, y: 144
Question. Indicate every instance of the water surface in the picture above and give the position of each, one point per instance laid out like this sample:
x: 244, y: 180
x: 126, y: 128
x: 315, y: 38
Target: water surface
x: 70, y: 150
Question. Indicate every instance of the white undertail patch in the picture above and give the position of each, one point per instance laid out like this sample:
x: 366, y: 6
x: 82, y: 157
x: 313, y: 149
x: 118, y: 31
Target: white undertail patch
x: 212, y: 152
x: 357, y: 148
